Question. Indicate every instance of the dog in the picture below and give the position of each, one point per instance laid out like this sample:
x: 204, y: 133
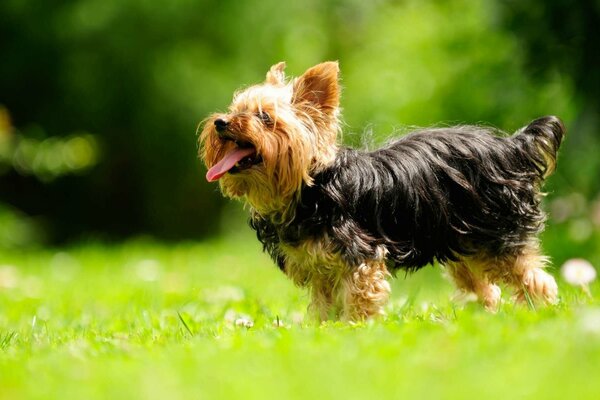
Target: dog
x: 340, y: 221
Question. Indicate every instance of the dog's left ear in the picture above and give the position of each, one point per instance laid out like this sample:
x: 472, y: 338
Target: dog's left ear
x: 319, y: 87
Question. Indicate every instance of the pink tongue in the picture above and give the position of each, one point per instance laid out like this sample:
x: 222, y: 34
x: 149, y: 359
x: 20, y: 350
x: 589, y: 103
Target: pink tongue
x: 221, y: 168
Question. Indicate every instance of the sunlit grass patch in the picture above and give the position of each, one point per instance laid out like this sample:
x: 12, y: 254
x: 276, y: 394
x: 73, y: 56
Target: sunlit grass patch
x: 218, y: 320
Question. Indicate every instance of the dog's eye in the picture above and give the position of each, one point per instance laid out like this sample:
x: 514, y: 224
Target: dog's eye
x: 264, y: 117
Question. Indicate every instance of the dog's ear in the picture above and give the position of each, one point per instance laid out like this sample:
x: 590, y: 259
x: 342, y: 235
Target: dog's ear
x: 319, y: 87
x: 275, y: 76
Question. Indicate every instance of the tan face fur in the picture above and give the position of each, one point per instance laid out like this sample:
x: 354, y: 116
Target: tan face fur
x: 292, y: 125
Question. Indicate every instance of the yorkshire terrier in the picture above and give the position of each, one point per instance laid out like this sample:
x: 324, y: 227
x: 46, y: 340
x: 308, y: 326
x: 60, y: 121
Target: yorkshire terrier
x: 340, y: 221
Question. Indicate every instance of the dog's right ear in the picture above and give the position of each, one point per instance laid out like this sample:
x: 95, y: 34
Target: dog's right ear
x: 318, y: 87
x: 275, y: 76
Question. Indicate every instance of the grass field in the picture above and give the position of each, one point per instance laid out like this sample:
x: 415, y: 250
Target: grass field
x: 158, y: 321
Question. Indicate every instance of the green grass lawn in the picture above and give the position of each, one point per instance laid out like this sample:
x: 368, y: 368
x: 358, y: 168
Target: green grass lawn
x: 158, y: 321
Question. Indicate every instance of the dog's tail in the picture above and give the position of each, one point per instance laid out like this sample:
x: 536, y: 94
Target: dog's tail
x: 541, y: 140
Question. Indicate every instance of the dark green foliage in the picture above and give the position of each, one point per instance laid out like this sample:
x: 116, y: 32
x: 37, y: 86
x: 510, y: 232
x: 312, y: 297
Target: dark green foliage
x: 140, y: 75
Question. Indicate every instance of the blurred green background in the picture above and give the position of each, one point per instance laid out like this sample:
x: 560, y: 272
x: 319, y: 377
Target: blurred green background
x: 100, y: 99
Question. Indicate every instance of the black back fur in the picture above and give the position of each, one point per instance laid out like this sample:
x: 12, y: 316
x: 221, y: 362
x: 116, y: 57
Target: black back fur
x: 431, y: 195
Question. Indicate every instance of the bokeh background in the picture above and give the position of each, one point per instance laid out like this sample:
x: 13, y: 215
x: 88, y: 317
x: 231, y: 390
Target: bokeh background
x: 100, y: 100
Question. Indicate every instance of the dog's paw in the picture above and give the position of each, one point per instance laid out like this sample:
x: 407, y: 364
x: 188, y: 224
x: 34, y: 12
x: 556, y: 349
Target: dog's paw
x: 540, y: 285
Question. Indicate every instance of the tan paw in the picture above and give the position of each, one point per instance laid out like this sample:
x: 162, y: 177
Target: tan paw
x: 490, y: 297
x: 540, y: 285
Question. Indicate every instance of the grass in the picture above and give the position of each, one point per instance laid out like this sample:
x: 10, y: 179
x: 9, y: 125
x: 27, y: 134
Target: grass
x: 156, y: 321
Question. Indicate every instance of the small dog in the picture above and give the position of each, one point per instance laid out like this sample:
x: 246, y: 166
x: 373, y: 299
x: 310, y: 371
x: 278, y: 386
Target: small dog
x: 340, y: 221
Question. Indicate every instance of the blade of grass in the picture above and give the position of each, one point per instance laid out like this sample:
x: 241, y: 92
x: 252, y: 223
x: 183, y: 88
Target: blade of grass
x: 185, y: 324
x: 528, y: 299
x: 6, y: 339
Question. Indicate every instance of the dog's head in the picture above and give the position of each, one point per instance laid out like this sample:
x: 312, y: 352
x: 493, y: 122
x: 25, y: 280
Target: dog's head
x: 274, y: 136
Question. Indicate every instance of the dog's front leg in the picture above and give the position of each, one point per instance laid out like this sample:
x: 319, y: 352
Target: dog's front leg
x: 364, y: 291
x: 321, y: 307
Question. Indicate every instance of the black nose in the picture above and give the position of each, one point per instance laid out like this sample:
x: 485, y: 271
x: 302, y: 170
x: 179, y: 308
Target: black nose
x: 221, y: 125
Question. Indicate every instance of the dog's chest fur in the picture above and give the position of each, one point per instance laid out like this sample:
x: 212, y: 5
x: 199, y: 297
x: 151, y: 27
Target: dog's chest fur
x: 303, y: 247
x: 312, y: 258
x: 314, y: 245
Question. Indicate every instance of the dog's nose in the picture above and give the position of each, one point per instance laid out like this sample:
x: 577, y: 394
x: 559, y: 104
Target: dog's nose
x: 221, y: 125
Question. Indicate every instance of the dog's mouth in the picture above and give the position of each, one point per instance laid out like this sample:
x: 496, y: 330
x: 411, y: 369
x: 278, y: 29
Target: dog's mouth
x: 241, y: 157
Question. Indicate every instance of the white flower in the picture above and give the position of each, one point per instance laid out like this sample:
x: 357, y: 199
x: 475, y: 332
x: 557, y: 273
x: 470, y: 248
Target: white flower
x: 239, y: 320
x: 244, y: 321
x: 578, y: 272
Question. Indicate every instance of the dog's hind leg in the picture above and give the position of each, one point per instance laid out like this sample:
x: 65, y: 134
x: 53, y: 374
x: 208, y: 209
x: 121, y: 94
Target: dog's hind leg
x: 525, y: 273
x: 471, y: 278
